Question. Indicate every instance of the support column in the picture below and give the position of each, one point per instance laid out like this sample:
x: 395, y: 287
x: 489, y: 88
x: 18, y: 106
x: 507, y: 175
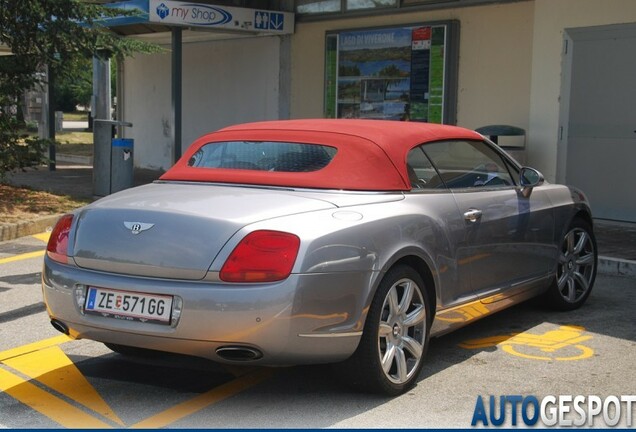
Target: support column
x: 51, y: 118
x: 120, y: 113
x: 177, y: 65
x: 284, y: 78
x: 44, y: 131
x: 284, y: 67
x: 102, y: 130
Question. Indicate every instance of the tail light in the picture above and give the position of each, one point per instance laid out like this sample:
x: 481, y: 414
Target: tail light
x: 262, y: 256
x: 57, y: 248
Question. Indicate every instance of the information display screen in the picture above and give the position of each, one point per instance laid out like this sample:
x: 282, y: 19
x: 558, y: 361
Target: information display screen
x: 396, y: 73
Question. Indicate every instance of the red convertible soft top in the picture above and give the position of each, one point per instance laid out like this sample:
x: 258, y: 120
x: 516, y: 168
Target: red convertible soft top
x: 371, y: 154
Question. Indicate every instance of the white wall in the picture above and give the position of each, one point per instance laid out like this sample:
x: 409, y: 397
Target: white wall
x: 509, y: 72
x: 494, y: 65
x: 551, y: 18
x: 224, y: 82
x: 146, y: 99
x: 509, y: 67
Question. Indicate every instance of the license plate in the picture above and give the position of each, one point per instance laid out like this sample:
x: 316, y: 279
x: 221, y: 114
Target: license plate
x: 128, y: 305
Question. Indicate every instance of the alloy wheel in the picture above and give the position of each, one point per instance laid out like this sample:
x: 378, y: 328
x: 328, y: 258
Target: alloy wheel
x: 577, y: 265
x: 402, y: 331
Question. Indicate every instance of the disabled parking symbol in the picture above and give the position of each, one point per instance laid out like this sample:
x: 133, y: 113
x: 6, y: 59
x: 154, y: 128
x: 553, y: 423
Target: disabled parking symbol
x: 561, y: 344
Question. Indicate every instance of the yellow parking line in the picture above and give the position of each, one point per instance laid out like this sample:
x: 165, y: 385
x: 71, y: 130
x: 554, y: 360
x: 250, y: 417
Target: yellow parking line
x: 21, y: 257
x: 35, y: 346
x: 204, y: 400
x: 52, y: 407
x: 45, y: 362
x: 42, y: 236
x: 53, y: 368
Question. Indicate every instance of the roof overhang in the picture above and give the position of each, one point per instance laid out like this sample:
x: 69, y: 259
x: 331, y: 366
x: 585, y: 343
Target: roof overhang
x: 152, y: 20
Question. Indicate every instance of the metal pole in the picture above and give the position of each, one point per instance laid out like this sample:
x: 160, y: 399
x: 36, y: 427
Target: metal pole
x: 119, y: 91
x: 102, y: 131
x: 177, y: 65
x: 51, y: 118
x: 284, y: 78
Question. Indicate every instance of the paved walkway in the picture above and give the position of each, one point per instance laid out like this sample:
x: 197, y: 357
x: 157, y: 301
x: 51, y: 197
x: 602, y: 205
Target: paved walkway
x: 616, y: 240
x: 69, y: 179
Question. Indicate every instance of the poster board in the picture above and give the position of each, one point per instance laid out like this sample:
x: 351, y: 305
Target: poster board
x: 393, y: 73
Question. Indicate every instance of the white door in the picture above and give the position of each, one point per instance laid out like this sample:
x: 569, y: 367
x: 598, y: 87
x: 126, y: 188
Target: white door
x: 601, y: 127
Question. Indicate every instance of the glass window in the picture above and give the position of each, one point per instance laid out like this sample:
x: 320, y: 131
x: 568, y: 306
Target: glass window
x: 416, y: 2
x: 370, y: 4
x: 420, y: 169
x: 317, y: 6
x: 467, y: 164
x: 263, y: 156
x: 514, y: 171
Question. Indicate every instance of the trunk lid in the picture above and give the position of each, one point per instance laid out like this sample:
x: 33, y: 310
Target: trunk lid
x: 173, y: 230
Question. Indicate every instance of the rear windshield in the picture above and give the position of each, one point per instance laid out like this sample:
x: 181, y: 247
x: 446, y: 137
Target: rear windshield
x: 263, y: 156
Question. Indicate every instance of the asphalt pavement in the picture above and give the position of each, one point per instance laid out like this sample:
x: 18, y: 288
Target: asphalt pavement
x: 528, y: 351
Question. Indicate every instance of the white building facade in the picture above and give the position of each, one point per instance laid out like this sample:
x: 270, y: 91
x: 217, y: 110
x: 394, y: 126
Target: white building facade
x: 559, y: 69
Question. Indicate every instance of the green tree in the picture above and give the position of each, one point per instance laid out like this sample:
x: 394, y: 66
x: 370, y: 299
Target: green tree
x: 17, y: 149
x: 52, y: 33
x: 75, y: 88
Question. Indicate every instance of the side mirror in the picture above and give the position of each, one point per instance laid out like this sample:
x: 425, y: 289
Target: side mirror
x: 529, y: 178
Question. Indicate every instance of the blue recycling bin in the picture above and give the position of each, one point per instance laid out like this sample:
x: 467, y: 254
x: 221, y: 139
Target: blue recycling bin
x: 121, y: 164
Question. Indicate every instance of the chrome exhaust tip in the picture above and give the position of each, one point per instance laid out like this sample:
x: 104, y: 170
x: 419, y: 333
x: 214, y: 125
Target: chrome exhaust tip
x: 60, y: 326
x: 238, y: 353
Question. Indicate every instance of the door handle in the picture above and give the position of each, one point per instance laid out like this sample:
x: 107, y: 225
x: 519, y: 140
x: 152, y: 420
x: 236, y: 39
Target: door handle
x: 472, y: 215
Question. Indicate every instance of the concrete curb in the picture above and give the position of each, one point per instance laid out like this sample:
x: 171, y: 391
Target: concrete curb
x: 616, y: 266
x: 28, y: 227
x: 74, y: 159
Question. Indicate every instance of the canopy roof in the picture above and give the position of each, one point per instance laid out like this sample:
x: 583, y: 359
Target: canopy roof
x: 371, y: 154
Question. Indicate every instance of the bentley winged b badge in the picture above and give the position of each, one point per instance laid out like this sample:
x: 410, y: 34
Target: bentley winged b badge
x: 137, y: 227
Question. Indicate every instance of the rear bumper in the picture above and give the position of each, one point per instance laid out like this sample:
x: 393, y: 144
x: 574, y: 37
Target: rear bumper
x: 309, y: 318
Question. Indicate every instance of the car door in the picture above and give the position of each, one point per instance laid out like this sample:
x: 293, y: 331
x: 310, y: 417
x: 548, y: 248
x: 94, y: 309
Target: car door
x: 435, y: 202
x: 508, y: 239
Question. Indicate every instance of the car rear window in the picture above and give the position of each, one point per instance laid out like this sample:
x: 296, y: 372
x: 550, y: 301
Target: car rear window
x: 263, y: 156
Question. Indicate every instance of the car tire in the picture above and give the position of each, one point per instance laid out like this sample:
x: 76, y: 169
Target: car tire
x: 576, y: 268
x: 390, y: 355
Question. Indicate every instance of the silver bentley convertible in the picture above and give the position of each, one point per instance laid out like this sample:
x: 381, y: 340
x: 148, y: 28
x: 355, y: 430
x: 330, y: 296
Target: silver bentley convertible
x: 319, y: 241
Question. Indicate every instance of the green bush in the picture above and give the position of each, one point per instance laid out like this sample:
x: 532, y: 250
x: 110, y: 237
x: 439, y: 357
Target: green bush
x: 18, y: 150
x: 31, y: 126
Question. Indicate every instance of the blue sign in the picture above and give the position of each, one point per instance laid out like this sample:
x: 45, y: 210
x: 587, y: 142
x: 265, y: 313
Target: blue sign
x: 171, y: 12
x: 276, y: 21
x: 162, y: 10
x: 269, y: 20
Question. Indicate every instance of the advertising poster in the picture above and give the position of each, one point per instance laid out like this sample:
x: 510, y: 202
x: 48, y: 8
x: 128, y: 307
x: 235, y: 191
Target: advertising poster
x: 390, y: 73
